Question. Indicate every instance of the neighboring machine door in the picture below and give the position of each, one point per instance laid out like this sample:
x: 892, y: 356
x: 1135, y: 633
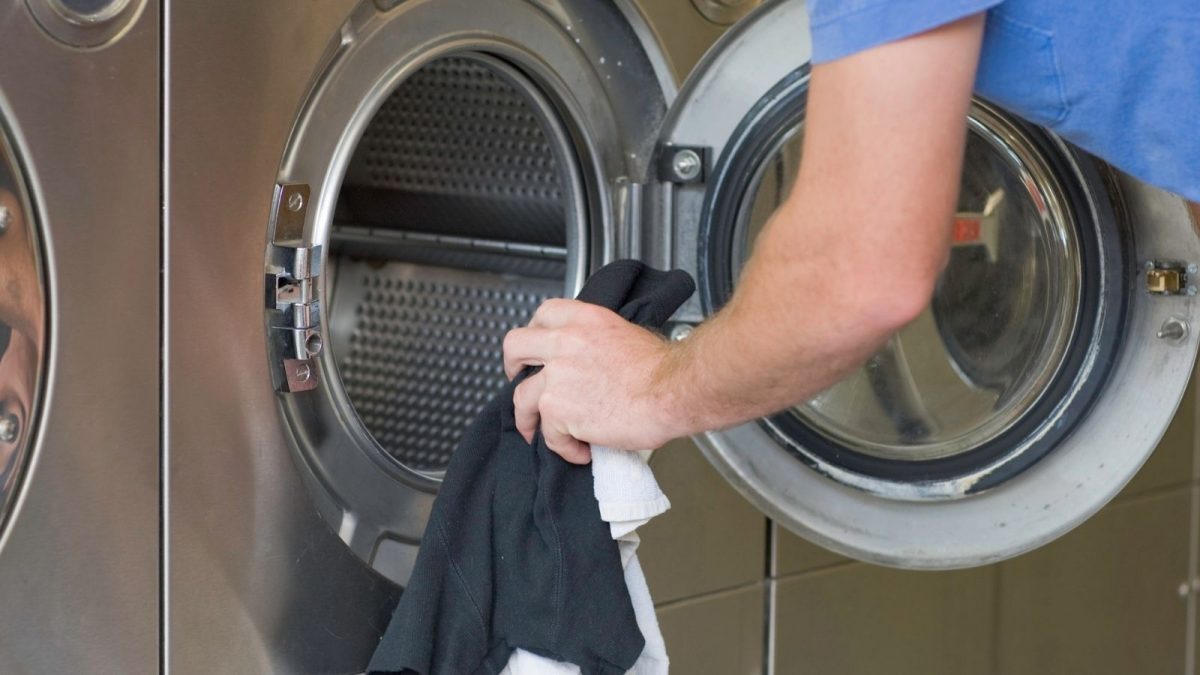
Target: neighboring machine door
x: 1059, y: 342
x: 406, y: 181
x: 79, y: 336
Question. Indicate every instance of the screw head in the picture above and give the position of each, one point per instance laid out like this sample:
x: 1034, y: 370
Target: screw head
x: 681, y: 331
x: 303, y: 372
x: 686, y: 164
x: 9, y: 427
x: 1173, y: 329
x: 295, y: 202
x: 5, y: 219
x: 1193, y: 268
x: 1148, y: 265
x: 313, y: 344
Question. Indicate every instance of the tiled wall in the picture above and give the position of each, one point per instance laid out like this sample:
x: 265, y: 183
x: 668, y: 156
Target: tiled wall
x: 1111, y: 597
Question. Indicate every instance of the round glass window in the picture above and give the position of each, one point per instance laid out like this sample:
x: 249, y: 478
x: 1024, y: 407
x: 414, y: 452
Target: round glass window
x: 997, y: 333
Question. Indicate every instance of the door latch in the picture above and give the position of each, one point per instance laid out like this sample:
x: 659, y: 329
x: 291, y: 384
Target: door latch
x: 1170, y: 277
x: 292, y: 293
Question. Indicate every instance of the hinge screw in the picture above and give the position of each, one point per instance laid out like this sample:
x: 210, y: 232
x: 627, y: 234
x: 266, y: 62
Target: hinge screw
x: 1173, y: 329
x: 9, y: 427
x: 303, y: 372
x: 681, y: 331
x: 686, y: 164
x: 295, y: 202
x: 5, y: 219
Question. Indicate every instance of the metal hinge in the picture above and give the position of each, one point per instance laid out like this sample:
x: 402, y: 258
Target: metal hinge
x: 292, y: 294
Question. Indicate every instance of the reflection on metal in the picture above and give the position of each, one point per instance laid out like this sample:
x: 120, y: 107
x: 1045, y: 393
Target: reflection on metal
x: 86, y: 23
x: 725, y: 12
x: 10, y: 426
x: 22, y: 327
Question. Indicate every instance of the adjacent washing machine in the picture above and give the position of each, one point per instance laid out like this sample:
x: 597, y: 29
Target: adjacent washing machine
x: 362, y: 198
x: 79, y: 336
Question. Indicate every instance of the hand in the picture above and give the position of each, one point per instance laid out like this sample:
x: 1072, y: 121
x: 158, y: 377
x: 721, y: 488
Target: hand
x: 601, y: 380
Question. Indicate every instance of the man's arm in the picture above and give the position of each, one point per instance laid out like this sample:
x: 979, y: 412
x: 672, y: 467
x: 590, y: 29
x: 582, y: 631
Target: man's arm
x: 851, y: 257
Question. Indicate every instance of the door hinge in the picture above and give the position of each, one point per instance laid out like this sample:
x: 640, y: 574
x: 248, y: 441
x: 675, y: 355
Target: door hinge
x: 292, y: 294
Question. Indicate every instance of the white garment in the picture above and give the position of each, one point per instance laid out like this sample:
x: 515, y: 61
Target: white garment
x: 629, y: 497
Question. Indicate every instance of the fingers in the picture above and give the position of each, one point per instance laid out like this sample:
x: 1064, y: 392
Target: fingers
x: 525, y: 405
x: 526, y: 347
x: 526, y: 401
x: 567, y: 447
x: 556, y: 313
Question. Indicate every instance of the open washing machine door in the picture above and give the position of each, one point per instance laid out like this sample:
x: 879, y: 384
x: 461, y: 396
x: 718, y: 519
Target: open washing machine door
x: 1055, y: 351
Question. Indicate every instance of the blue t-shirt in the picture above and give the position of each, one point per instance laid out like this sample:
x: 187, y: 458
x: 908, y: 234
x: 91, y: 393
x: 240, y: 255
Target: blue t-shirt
x: 1119, y: 78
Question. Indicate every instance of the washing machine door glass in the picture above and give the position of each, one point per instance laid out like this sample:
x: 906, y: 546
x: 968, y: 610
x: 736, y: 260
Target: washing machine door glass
x: 22, y: 326
x: 990, y: 424
x: 997, y: 332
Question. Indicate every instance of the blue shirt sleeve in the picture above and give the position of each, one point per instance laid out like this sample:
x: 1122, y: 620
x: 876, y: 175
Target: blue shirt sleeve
x: 844, y: 27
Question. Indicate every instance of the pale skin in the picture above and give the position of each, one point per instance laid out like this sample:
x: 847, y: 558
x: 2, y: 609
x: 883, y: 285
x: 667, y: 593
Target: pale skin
x: 850, y: 258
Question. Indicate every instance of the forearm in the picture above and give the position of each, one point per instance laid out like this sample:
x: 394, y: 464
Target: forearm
x: 854, y: 253
x: 811, y: 306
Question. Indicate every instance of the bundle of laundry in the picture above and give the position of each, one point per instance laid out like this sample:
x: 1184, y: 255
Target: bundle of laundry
x: 527, y: 562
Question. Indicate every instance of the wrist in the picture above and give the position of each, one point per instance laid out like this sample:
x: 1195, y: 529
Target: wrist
x: 674, y: 407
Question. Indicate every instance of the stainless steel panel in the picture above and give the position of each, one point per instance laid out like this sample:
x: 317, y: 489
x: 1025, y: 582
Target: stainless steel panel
x: 255, y: 581
x: 79, y: 577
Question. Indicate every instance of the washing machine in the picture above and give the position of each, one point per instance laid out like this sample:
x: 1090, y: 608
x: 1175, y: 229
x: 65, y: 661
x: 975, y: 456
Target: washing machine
x: 361, y: 198
x: 79, y: 336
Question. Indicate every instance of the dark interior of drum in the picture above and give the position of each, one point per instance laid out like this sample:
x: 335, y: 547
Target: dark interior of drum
x: 451, y: 227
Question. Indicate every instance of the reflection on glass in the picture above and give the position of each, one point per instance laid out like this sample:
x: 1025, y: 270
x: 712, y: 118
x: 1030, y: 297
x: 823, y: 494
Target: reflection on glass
x: 995, y: 334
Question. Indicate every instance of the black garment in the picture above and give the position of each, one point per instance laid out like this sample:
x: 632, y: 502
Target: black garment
x: 515, y: 553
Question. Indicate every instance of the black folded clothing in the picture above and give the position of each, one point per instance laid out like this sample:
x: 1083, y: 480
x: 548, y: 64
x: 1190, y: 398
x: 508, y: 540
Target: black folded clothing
x: 515, y: 554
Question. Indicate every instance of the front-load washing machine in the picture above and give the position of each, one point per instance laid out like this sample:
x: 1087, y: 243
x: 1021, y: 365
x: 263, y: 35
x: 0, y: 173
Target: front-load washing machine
x: 362, y: 198
x: 79, y: 336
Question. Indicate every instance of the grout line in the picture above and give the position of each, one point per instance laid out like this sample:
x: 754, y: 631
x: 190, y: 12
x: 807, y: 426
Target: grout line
x: 818, y: 570
x: 997, y: 616
x: 1193, y: 568
x: 707, y: 595
x: 769, y: 599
